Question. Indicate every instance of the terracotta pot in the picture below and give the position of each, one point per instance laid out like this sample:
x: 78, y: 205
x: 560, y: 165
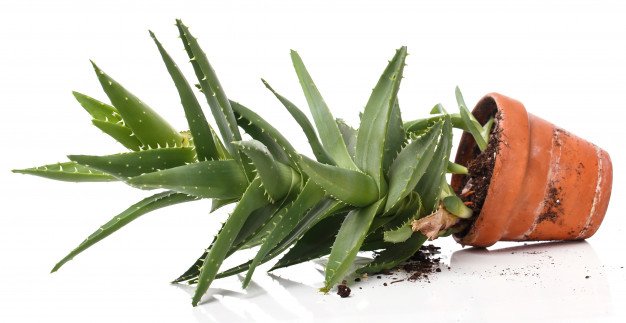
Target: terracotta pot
x: 547, y: 183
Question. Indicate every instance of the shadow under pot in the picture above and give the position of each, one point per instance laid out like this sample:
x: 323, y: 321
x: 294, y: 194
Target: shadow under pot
x: 535, y: 181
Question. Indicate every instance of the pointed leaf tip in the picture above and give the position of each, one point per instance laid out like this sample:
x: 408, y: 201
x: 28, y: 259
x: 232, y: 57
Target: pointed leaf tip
x: 201, y: 132
x: 381, y: 135
x: 318, y: 150
x: 138, y: 209
x: 474, y: 127
x: 68, y: 172
x: 327, y: 129
x: 149, y: 127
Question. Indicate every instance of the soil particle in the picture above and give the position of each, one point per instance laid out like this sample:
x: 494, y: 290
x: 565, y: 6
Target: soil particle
x: 476, y: 183
x: 552, y: 207
x: 423, y: 263
x: 417, y: 268
x: 343, y: 290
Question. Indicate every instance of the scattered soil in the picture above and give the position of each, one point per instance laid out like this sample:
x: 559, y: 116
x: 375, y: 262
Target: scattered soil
x: 417, y: 268
x: 343, y: 290
x: 423, y: 263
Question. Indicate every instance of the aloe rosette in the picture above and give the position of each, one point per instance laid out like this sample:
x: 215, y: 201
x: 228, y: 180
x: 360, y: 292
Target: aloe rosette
x: 379, y: 187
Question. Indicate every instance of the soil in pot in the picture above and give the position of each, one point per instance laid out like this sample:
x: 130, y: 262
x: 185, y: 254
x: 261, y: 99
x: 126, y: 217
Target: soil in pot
x: 475, y: 185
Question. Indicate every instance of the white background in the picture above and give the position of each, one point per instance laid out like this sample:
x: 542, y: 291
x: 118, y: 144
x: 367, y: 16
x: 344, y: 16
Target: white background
x: 563, y: 59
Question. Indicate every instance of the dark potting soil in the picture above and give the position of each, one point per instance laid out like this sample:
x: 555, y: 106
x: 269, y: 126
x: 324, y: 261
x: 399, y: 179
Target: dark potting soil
x: 418, y: 268
x: 343, y: 290
x: 476, y: 183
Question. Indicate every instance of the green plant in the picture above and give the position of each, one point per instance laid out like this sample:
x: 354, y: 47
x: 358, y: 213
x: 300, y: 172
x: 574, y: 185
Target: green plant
x: 379, y: 187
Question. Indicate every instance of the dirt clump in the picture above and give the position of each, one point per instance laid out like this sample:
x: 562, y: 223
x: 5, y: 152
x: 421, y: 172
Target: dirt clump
x: 343, y: 290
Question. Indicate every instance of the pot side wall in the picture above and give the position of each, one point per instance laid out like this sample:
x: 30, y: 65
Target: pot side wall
x: 547, y: 183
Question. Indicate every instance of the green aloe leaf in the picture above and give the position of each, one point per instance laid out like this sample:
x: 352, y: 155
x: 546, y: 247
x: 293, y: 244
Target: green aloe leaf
x: 252, y: 234
x: 455, y: 168
x: 410, y: 165
x: 120, y: 133
x: 429, y: 186
x: 219, y: 203
x: 132, y: 213
x: 398, y: 235
x: 396, y: 137
x: 324, y: 121
x: 375, y: 245
x: 418, y: 126
x: 68, y: 172
x: 349, y: 186
x: 259, y: 225
x: 318, y: 150
x: 322, y: 210
x: 348, y: 242
x: 262, y: 131
x: 411, y: 208
x: 215, y: 96
x: 470, y: 121
x: 315, y: 243
x: 394, y: 254
x: 222, y: 179
x: 438, y: 109
x: 275, y: 176
x: 152, y: 130
x: 326, y: 208
x: 194, y: 269
x: 378, y: 133
x: 487, y: 129
x: 455, y: 205
x: 253, y: 226
x: 349, y: 135
x: 251, y: 200
x: 97, y: 109
x: 198, y: 125
x: 135, y: 163
x: 285, y: 222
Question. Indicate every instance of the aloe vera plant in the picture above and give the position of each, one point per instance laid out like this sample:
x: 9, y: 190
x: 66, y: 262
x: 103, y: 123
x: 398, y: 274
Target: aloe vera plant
x: 381, y: 186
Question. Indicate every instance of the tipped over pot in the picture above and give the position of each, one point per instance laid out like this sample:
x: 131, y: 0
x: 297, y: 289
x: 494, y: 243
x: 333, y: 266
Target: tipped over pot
x: 538, y: 181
